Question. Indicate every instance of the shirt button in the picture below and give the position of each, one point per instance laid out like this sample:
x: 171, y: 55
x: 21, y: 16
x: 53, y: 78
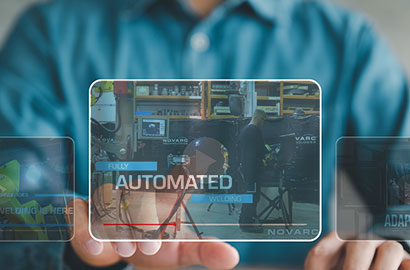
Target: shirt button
x: 200, y: 42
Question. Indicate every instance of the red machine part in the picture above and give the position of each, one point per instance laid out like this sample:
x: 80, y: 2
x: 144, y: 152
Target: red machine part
x: 121, y: 88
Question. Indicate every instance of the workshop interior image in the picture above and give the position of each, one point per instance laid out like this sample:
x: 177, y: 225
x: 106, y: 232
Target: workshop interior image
x: 36, y: 182
x: 373, y: 188
x: 193, y: 159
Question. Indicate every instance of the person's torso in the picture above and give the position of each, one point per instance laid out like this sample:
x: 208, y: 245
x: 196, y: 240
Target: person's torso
x: 164, y: 42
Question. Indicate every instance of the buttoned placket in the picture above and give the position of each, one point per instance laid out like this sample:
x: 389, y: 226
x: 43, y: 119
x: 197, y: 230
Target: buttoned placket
x: 200, y: 57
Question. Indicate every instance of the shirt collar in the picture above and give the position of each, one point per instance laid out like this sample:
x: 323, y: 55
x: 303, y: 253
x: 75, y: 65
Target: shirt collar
x: 267, y: 9
x: 137, y: 7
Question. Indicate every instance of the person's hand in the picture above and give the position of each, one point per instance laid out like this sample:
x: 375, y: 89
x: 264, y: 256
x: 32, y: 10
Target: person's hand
x: 332, y: 253
x: 147, y: 254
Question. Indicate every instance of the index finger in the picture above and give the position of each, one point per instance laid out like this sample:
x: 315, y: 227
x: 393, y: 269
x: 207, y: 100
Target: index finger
x: 326, y: 253
x: 89, y: 250
x: 213, y: 255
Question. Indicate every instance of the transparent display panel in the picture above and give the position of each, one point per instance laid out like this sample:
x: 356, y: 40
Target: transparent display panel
x: 373, y: 188
x: 203, y: 160
x: 36, y: 183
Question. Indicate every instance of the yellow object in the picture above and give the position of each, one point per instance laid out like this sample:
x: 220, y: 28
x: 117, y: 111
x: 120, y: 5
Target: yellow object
x: 268, y: 156
x: 125, y: 204
x: 108, y: 204
x: 10, y: 184
x: 10, y: 177
x: 107, y: 86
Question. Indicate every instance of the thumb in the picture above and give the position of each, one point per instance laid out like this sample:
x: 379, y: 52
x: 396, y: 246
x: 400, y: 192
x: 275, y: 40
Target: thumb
x: 88, y: 249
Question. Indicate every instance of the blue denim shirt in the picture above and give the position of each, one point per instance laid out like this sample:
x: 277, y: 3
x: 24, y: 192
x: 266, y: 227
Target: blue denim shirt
x: 58, y: 49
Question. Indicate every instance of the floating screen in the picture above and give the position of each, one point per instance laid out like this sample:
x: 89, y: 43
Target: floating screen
x: 373, y: 188
x: 36, y: 183
x: 233, y: 160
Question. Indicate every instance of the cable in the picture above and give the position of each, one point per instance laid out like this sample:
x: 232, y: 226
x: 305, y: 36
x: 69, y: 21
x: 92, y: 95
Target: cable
x: 100, y: 94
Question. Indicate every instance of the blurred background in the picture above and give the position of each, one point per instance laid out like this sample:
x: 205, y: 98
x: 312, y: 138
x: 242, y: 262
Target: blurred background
x: 391, y: 18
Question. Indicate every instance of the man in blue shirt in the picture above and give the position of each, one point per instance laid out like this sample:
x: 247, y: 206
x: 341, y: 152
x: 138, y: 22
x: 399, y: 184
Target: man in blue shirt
x: 58, y: 49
